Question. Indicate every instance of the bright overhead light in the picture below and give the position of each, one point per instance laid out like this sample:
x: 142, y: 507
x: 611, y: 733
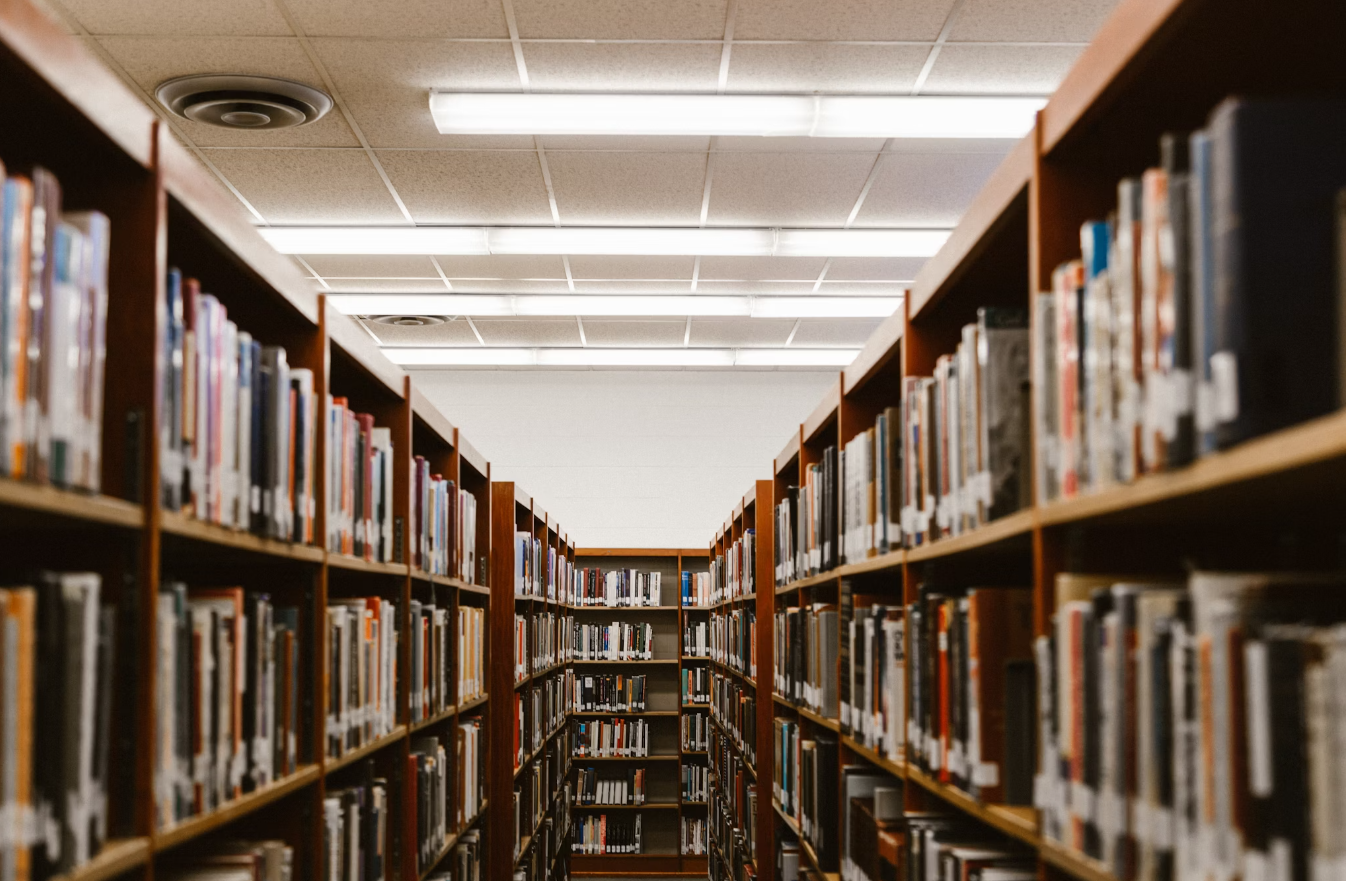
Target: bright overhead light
x: 471, y: 356
x: 597, y: 305
x: 636, y: 241
x: 816, y: 116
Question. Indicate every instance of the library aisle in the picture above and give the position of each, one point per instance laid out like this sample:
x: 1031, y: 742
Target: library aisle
x: 1049, y: 586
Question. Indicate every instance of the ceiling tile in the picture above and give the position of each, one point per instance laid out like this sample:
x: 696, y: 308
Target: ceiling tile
x: 633, y: 332
x: 180, y: 17
x: 799, y: 145
x: 450, y: 333
x: 150, y: 61
x: 761, y: 268
x: 873, y: 268
x: 1010, y: 70
x: 503, y: 266
x: 862, y: 289
x: 824, y: 67
x: 734, y: 332
x: 642, y: 143
x: 1046, y: 21
x: 483, y: 286
x: 386, y: 286
x: 631, y: 267
x: 361, y: 266
x: 497, y: 187
x: 840, y: 19
x: 633, y: 287
x: 309, y: 186
x: 824, y: 332
x: 386, y: 86
x: 787, y: 189
x: 633, y: 67
x: 528, y: 331
x: 754, y: 287
x: 621, y: 19
x: 925, y: 189
x: 628, y: 189
x: 404, y: 18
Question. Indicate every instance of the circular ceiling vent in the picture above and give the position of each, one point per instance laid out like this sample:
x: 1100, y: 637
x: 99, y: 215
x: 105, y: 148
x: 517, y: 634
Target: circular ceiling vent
x: 243, y: 102
x: 409, y: 320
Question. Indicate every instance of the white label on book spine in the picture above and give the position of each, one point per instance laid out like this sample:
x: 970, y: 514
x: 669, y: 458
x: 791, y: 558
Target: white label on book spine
x: 1259, y: 719
x: 1256, y: 866
x: 1081, y: 801
x: 1224, y: 379
x: 987, y: 774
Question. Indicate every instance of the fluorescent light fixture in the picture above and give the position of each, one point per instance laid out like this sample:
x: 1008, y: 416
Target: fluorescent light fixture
x: 471, y: 356
x: 815, y: 116
x: 637, y: 241
x: 598, y: 305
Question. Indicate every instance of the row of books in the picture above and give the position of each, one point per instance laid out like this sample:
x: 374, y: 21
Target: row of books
x: 964, y: 449
x: 228, y: 684
x: 735, y: 708
x: 471, y: 653
x: 970, y: 690
x: 361, y: 665
x: 696, y: 589
x: 53, y: 317
x: 612, y: 738
x: 618, y: 641
x: 872, y: 804
x: 807, y: 527
x: 603, y: 834
x: 733, y: 804
x: 694, y: 732
x: 237, y: 860
x: 695, y: 782
x: 733, y: 640
x: 430, y: 653
x: 695, y: 682
x: 696, y: 639
x: 610, y: 693
x: 59, y: 660
x: 465, y: 864
x: 359, y: 486
x: 733, y: 574
x: 871, y: 482
x: 613, y: 588
x: 539, y: 711
x: 693, y: 836
x: 238, y: 429
x: 806, y: 645
x: 551, y: 638
x: 538, y: 570
x: 1200, y: 718
x: 355, y: 830
x: 614, y: 788
x: 942, y: 846
x: 805, y: 785
x: 873, y: 672
x: 1161, y: 344
x: 443, y: 526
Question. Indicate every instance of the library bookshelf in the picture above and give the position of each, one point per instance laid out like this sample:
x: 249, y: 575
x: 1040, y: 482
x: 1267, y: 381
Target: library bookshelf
x: 1155, y: 66
x: 110, y: 153
x: 666, y: 807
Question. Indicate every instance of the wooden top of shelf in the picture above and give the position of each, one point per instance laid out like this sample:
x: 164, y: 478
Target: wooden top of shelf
x: 117, y: 855
x: 788, y: 454
x: 193, y: 827
x: 823, y: 414
x: 220, y: 214
x: 70, y: 504
x: 522, y: 499
x: 974, y: 230
x: 430, y: 415
x: 79, y: 77
x: 355, y: 341
x: 177, y: 523
x: 629, y: 552
x: 880, y: 348
x: 472, y: 457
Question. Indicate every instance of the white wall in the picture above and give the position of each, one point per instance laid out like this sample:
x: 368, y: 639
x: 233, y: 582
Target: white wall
x: 629, y: 458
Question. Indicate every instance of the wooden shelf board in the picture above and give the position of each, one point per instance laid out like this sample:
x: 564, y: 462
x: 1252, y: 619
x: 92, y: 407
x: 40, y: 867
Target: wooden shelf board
x: 471, y: 456
x: 355, y: 564
x: 193, y: 827
x: 464, y: 586
x: 71, y: 504
x: 636, y: 713
x: 346, y: 333
x: 117, y: 855
x: 378, y: 743
x: 810, y: 581
x: 789, y: 453
x: 1018, y: 823
x: 656, y: 662
x: 1073, y: 863
x: 473, y: 703
x: 175, y: 523
x: 656, y: 806
x: 438, y: 717
x: 879, y: 349
x: 804, y: 844
x: 1007, y: 527
x: 658, y: 758
x: 594, y: 608
x: 782, y: 702
x: 824, y: 414
x: 896, y: 768
x: 831, y: 724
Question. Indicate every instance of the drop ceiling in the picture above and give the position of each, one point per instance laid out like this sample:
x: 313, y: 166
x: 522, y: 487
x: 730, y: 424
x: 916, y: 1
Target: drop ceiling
x: 378, y: 159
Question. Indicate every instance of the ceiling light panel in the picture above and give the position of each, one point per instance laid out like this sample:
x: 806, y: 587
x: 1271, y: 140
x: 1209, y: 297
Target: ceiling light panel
x: 819, y: 116
x: 640, y: 241
x: 468, y: 356
x: 700, y: 306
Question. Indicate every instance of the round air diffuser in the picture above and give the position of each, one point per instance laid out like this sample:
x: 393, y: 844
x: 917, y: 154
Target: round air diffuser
x: 243, y: 102
x: 408, y: 320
